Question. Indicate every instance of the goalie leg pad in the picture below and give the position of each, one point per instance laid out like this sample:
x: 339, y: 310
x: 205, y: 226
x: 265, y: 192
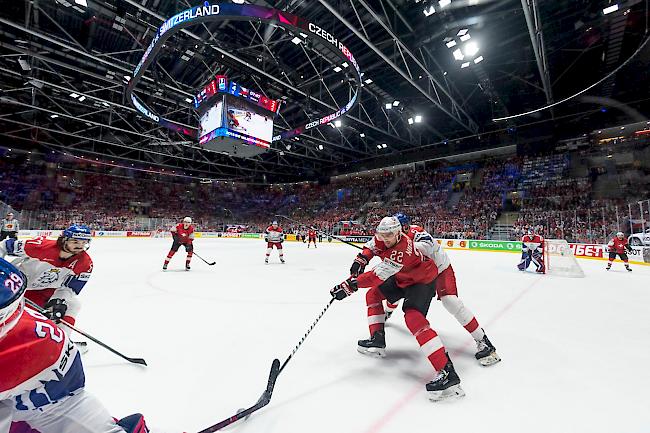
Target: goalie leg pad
x: 525, y: 261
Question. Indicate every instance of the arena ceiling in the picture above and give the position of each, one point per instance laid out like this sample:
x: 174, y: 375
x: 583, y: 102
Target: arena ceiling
x: 532, y: 53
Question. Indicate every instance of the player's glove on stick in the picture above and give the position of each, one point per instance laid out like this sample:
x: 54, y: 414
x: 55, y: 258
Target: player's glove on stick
x: 359, y: 265
x: 345, y: 289
x: 55, y: 309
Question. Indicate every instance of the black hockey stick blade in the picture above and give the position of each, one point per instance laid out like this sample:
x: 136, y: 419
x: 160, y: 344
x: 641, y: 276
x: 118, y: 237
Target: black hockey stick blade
x: 264, y: 399
x: 90, y: 337
x: 204, y: 260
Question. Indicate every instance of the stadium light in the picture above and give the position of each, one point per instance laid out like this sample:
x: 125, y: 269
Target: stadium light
x: 82, y: 98
x: 458, y: 54
x: 320, y: 147
x: 410, y: 120
x: 288, y: 146
x: 296, y: 40
x: 465, y: 38
x: 464, y: 65
x: 379, y: 146
x: 471, y: 48
x: 362, y: 135
x: 82, y: 3
x: 345, y: 64
x: 337, y: 123
x: 23, y: 64
x: 74, y: 95
x: 610, y: 9
x: 444, y: 3
x: 54, y: 116
x: 337, y: 69
x: 478, y: 60
x: 429, y: 11
x: 384, y: 145
x: 368, y: 81
x: 395, y: 103
x: 451, y: 44
x: 239, y: 2
x: 418, y: 119
x: 461, y: 32
x: 389, y: 106
x: 188, y: 100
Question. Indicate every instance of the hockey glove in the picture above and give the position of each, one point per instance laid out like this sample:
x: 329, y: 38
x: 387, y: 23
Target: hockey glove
x: 55, y: 309
x: 359, y: 265
x: 345, y: 289
x: 629, y: 248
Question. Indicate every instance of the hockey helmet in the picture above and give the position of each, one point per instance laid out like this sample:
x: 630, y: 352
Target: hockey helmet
x: 620, y: 235
x: 402, y: 218
x: 78, y: 231
x: 274, y: 223
x: 187, y: 220
x: 12, y: 300
x: 389, y: 224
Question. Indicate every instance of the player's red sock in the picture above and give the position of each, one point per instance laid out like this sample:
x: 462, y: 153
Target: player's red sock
x: 429, y: 341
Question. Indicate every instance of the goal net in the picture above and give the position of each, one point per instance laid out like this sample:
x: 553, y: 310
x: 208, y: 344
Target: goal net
x: 559, y: 259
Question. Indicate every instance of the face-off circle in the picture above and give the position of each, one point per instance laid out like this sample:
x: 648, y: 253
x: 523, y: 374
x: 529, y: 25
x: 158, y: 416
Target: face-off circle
x: 228, y: 11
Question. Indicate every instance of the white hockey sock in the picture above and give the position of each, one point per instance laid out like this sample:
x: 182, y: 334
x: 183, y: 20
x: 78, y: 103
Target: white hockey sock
x: 457, y: 309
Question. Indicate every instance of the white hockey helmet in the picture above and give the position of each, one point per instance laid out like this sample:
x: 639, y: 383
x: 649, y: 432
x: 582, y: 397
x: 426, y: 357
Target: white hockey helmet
x: 620, y: 234
x: 389, y: 224
x: 274, y: 223
x: 187, y: 220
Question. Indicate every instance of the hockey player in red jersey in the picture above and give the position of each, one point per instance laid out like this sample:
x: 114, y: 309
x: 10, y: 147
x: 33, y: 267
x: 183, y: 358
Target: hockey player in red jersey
x: 57, y: 269
x: 404, y: 272
x: 618, y: 245
x: 274, y: 236
x: 532, y: 251
x: 41, y: 375
x: 445, y: 285
x: 182, y: 234
x: 312, y: 237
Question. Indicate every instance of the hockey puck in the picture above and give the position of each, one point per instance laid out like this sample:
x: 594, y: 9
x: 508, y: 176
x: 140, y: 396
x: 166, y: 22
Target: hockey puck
x: 240, y: 411
x: 234, y: 425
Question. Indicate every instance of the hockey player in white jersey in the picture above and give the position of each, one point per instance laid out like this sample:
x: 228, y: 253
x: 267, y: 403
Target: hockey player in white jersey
x: 42, y: 381
x: 274, y: 236
x: 57, y: 269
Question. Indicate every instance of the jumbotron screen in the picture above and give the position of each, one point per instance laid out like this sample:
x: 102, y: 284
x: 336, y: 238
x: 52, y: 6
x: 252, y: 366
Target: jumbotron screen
x: 235, y: 126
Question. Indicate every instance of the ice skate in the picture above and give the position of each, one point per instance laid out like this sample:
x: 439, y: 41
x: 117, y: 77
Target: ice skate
x: 187, y: 267
x: 446, y: 385
x: 487, y: 353
x: 165, y: 267
x: 609, y: 266
x: 266, y: 260
x: 375, y: 346
x: 281, y: 260
x: 629, y: 269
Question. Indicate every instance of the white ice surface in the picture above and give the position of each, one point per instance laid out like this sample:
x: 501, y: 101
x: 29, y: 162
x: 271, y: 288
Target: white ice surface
x: 576, y: 352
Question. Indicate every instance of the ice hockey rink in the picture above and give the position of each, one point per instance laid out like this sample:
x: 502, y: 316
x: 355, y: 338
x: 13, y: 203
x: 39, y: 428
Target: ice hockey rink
x: 575, y: 351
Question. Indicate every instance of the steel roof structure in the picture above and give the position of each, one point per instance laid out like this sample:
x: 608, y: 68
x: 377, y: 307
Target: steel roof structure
x: 532, y: 54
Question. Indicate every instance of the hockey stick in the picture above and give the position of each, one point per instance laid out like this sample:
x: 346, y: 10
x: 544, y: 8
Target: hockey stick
x: 90, y: 337
x: 323, y: 233
x: 208, y: 263
x: 276, y: 369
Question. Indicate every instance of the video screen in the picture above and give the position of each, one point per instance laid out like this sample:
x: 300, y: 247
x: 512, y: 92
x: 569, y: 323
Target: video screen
x: 244, y: 118
x: 211, y: 119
